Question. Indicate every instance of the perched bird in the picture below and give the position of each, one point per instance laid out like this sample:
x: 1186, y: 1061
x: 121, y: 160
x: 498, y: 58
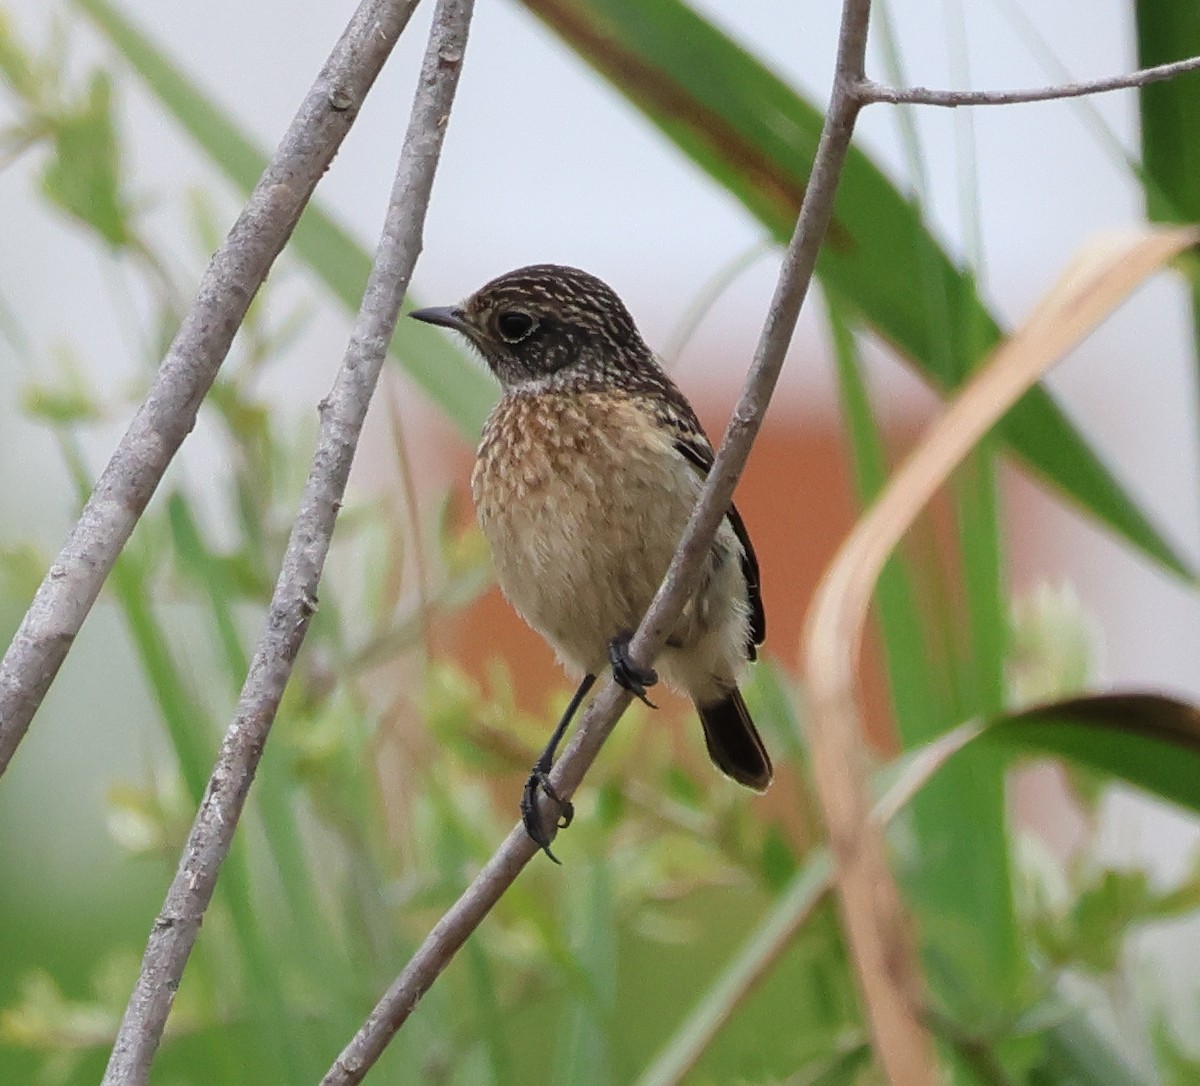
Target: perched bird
x: 589, y: 468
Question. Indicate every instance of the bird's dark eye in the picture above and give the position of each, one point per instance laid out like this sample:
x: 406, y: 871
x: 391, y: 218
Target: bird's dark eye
x: 514, y: 325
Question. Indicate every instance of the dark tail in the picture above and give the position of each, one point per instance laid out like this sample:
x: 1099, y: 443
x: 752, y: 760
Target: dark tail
x: 733, y: 743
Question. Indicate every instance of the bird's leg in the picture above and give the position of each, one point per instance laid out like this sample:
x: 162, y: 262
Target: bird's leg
x: 628, y: 674
x: 539, y: 777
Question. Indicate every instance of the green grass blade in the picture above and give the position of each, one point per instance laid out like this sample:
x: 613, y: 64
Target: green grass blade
x: 213, y: 580
x: 973, y: 879
x: 491, y: 1024
x: 1169, y: 30
x: 770, y: 937
x: 583, y: 1053
x: 448, y: 376
x: 959, y: 817
x: 1151, y: 741
x: 978, y: 796
x: 901, y: 622
x: 756, y: 136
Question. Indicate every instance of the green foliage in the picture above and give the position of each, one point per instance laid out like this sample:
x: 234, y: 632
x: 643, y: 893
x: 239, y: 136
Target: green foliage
x: 82, y: 176
x: 82, y: 173
x: 67, y: 401
x: 1103, y: 907
x: 1167, y: 31
x: 688, y: 929
x: 1180, y: 1062
x: 1151, y: 742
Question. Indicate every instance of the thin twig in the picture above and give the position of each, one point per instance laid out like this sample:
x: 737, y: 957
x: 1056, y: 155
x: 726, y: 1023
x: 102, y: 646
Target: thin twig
x: 796, y: 272
x: 869, y: 91
x: 168, y: 413
x: 342, y: 414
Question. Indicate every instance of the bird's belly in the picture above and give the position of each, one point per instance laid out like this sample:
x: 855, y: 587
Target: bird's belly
x: 582, y: 503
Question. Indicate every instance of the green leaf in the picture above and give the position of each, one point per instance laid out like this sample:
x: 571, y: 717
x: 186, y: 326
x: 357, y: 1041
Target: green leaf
x: 1092, y: 933
x: 963, y: 866
x: 215, y: 579
x: 1078, y: 1054
x: 582, y: 1049
x: 65, y: 403
x: 16, y: 65
x: 1180, y: 1065
x: 754, y: 135
x: 1169, y: 30
x: 778, y: 862
x: 22, y: 567
x: 83, y: 177
x: 448, y: 376
x: 1147, y: 740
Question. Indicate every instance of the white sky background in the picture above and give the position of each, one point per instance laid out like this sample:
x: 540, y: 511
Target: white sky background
x: 544, y: 162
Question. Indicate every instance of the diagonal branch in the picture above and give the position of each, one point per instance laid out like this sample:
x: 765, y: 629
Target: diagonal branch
x: 343, y: 412
x: 869, y: 91
x: 501, y: 870
x: 168, y: 413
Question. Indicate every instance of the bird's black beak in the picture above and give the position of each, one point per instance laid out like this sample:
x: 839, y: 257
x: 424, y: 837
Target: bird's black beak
x: 448, y: 316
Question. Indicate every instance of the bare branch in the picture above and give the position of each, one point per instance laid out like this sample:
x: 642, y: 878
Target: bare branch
x: 342, y: 414
x: 795, y: 275
x: 869, y: 91
x: 168, y: 413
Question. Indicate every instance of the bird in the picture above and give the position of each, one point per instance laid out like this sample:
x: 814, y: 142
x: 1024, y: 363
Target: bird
x: 587, y: 471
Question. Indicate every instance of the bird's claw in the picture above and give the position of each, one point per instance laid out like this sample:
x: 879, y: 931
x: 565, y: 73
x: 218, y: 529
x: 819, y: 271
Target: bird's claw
x: 628, y: 674
x: 531, y: 817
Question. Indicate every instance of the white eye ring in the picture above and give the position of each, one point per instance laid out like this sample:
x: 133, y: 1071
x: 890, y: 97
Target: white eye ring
x: 515, y: 325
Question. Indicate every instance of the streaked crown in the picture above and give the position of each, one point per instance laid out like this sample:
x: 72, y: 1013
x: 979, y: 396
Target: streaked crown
x: 546, y: 320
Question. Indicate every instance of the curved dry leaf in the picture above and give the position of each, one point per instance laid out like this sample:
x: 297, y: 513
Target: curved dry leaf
x: 1090, y: 289
x: 1095, y: 284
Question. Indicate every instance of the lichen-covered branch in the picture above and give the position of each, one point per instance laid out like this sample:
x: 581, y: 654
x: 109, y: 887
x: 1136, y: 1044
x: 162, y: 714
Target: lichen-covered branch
x: 517, y: 849
x: 343, y: 412
x: 168, y: 413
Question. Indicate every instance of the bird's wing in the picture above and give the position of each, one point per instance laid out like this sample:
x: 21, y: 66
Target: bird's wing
x: 695, y: 448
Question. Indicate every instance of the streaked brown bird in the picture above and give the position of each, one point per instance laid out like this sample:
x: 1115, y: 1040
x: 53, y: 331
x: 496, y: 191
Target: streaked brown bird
x: 588, y: 470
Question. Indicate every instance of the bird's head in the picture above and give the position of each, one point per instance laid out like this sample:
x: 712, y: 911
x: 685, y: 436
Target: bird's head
x: 543, y: 321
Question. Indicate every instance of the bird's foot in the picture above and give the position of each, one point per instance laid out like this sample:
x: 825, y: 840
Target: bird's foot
x: 531, y: 816
x: 628, y: 674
